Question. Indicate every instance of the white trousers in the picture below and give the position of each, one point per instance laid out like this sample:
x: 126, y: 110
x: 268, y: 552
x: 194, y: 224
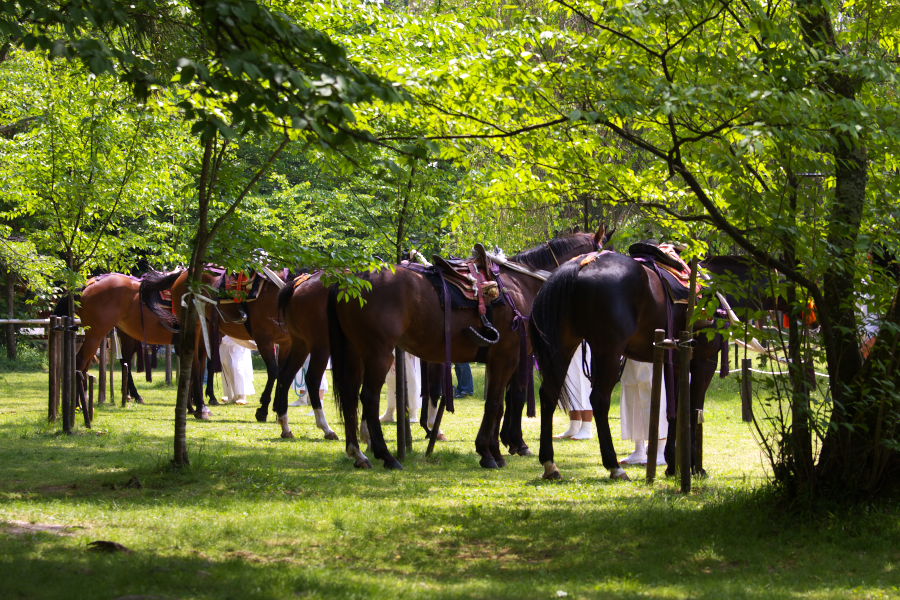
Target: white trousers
x: 237, y: 369
x: 637, y: 379
x: 413, y: 387
x: 577, y: 386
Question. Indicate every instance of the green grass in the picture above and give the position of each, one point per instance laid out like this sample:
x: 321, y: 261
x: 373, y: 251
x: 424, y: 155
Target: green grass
x: 255, y: 516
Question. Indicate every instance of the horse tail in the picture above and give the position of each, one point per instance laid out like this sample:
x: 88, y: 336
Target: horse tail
x: 152, y: 284
x: 284, y: 298
x: 551, y: 308
x: 341, y: 355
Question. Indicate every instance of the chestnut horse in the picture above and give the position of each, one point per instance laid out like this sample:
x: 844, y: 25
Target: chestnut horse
x: 614, y: 303
x: 403, y: 310
x: 258, y: 320
x: 117, y: 300
x: 302, y: 305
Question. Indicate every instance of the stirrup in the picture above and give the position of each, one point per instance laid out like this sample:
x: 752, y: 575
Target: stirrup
x: 490, y: 335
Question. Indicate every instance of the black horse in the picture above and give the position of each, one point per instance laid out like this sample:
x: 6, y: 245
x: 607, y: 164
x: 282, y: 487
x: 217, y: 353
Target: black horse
x: 614, y: 303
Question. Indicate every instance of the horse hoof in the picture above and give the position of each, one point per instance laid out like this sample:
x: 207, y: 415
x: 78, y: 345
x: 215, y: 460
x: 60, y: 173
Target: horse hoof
x: 393, y: 465
x: 212, y: 402
x: 524, y: 451
x: 501, y: 462
x: 331, y: 435
x: 287, y: 435
x: 551, y: 471
x: 488, y: 462
x: 620, y: 474
x: 203, y: 415
x: 261, y: 415
x: 139, y: 400
x: 700, y: 473
x: 362, y: 463
x: 670, y: 471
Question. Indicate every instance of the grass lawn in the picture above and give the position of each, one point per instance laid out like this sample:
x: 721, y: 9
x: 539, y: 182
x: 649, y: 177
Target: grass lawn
x: 255, y: 516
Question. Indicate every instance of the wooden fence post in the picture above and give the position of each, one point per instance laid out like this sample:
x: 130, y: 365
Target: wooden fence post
x: 53, y: 343
x: 68, y: 376
x: 746, y: 391
x: 90, y: 402
x: 111, y: 366
x: 126, y: 373
x: 400, y: 397
x: 683, y: 421
x: 101, y: 376
x: 168, y: 364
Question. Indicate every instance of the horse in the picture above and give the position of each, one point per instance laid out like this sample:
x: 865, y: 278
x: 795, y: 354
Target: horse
x: 402, y: 309
x: 258, y: 320
x: 302, y: 306
x: 614, y: 303
x: 129, y: 347
x: 119, y: 300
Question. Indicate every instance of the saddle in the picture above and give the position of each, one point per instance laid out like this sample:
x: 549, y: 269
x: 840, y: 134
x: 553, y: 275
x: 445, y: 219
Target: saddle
x: 165, y: 300
x: 471, y: 276
x: 671, y: 268
x: 238, y: 287
x: 464, y: 284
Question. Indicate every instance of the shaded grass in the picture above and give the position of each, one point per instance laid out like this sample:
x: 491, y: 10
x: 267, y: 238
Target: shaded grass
x: 255, y: 516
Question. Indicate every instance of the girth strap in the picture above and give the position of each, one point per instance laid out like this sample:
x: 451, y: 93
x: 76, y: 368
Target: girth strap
x: 520, y: 326
x: 669, y: 366
x: 448, y: 315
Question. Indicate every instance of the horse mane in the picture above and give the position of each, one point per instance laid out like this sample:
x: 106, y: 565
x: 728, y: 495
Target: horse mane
x: 545, y: 255
x: 152, y: 283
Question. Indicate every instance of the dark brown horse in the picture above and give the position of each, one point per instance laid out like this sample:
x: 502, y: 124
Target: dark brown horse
x: 303, y: 305
x: 117, y: 300
x: 403, y: 310
x: 257, y: 320
x: 614, y: 303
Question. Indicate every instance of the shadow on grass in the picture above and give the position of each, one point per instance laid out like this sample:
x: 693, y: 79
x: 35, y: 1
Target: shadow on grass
x: 253, y: 517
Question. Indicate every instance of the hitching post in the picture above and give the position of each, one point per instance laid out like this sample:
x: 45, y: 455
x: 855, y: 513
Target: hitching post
x: 400, y: 398
x: 746, y: 391
x: 101, y: 375
x: 68, y: 379
x: 53, y: 342
x: 168, y: 364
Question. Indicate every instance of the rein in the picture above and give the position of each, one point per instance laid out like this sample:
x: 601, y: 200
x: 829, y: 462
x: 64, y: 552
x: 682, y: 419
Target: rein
x: 552, y: 253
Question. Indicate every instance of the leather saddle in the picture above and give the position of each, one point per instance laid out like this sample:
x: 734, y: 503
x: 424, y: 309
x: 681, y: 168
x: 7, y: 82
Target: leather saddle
x: 671, y: 269
x: 471, y: 276
x: 240, y: 287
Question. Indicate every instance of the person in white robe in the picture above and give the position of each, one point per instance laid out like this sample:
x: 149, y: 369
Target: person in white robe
x: 578, y: 391
x: 637, y: 379
x: 413, y: 375
x: 237, y: 369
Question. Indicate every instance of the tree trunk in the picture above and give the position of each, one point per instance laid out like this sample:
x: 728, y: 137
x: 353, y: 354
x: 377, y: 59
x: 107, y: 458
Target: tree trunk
x: 185, y: 364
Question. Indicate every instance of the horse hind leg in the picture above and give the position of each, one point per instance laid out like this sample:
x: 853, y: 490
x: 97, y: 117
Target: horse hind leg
x: 201, y: 410
x: 549, y: 395
x: 287, y: 370
x: 267, y: 351
x: 605, y: 369
x: 511, y: 431
x: 369, y: 397
x: 314, y: 376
